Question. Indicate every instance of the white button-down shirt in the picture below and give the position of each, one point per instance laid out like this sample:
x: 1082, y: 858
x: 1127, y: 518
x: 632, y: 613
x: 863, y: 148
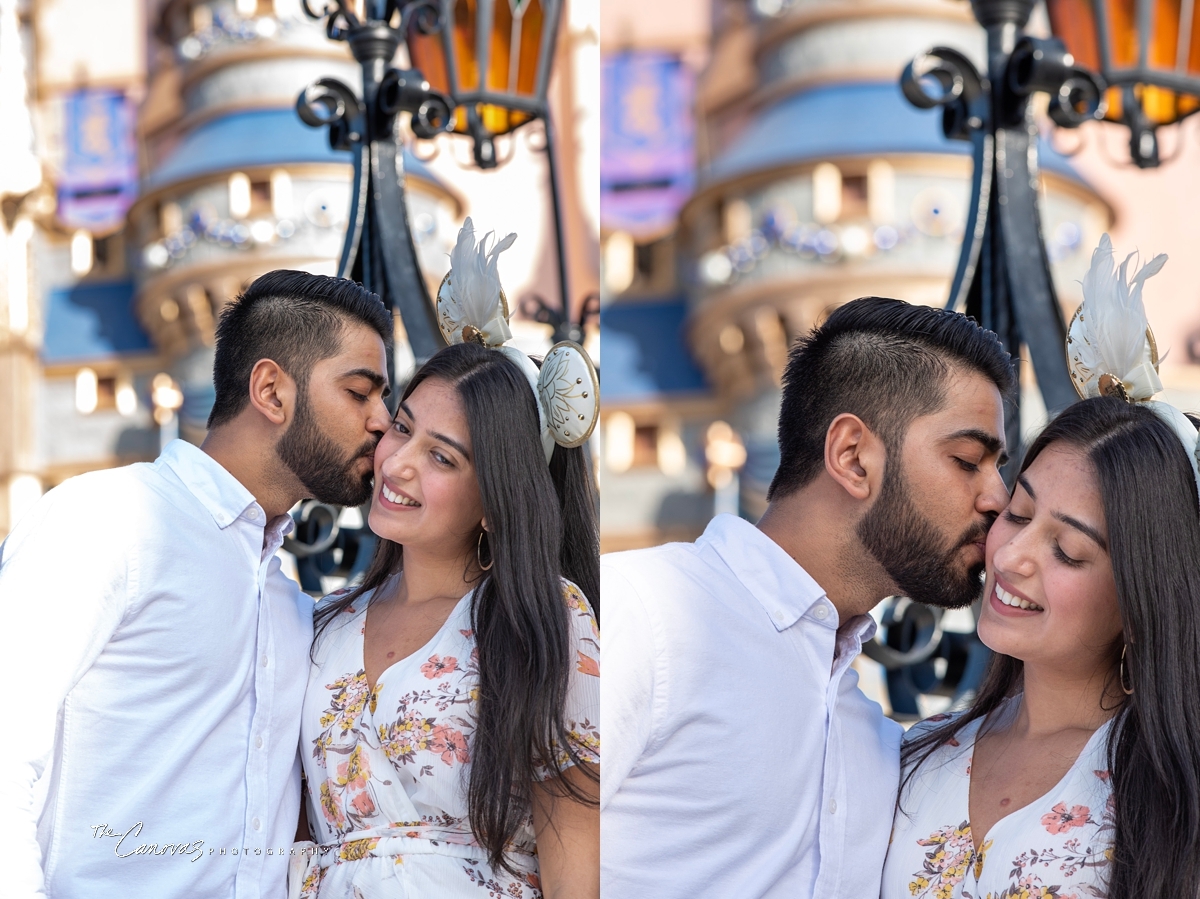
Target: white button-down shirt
x: 741, y: 759
x: 154, y: 661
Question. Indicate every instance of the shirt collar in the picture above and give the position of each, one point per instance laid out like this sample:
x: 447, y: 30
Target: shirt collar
x: 223, y: 495
x: 784, y: 589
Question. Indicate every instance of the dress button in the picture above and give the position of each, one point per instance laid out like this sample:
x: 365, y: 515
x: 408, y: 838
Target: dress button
x: 256, y: 824
x: 821, y: 612
x: 258, y: 741
x: 833, y: 806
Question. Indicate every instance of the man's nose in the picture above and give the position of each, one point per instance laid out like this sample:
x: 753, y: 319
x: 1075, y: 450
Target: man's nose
x: 378, y: 419
x: 994, y: 497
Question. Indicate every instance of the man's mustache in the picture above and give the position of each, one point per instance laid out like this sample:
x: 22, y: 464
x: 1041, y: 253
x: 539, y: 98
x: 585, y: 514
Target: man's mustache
x: 978, y: 532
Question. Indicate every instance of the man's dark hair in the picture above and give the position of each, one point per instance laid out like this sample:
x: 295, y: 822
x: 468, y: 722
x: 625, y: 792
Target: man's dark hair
x: 884, y: 360
x: 293, y: 318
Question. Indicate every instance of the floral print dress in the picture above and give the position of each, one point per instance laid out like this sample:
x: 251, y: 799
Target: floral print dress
x: 387, y: 768
x: 1057, y: 846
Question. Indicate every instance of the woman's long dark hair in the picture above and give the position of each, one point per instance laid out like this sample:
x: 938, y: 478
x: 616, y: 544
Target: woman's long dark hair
x: 1152, y: 511
x: 541, y: 528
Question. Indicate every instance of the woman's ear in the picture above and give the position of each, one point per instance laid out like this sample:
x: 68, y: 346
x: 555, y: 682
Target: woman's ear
x: 854, y: 456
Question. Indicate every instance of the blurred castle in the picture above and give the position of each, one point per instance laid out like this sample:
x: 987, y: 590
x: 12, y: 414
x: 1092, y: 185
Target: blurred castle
x: 152, y: 167
x: 759, y: 170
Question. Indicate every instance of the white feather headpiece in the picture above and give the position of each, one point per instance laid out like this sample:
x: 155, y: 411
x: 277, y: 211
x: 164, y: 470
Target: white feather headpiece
x: 471, y: 307
x: 1110, y: 348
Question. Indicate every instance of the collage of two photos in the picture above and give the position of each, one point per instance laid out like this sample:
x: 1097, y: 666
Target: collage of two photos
x: 356, y: 355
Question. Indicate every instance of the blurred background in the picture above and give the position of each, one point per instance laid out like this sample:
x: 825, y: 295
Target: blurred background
x: 152, y: 163
x: 761, y: 166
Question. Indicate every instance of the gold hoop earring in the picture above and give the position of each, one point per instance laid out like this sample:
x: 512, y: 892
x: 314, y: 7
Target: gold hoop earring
x: 1121, y: 675
x: 479, y: 554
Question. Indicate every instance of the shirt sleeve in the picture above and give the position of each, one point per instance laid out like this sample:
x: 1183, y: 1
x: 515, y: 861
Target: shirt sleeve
x: 581, y: 716
x: 629, y: 661
x: 65, y: 580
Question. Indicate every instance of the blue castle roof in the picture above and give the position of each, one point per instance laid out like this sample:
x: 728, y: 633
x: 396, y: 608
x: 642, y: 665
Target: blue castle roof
x: 90, y: 322
x: 839, y: 120
x: 645, y: 354
x: 260, y: 137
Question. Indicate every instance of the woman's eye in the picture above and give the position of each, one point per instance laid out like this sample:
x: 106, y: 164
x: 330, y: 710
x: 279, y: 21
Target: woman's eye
x: 1014, y: 519
x: 965, y: 465
x: 442, y: 460
x: 400, y: 426
x: 1064, y: 558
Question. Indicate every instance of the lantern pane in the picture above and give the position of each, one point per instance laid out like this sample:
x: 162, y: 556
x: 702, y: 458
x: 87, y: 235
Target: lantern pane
x: 1074, y: 22
x: 1164, y: 35
x: 1193, y: 33
x: 514, y: 46
x: 1122, y: 33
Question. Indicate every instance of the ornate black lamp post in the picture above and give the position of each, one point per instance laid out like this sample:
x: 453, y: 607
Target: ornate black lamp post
x: 1003, y: 275
x: 480, y: 68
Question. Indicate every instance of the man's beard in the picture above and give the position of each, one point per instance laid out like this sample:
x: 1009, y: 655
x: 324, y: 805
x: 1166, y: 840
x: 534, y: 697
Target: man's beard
x: 913, y: 551
x: 319, y: 464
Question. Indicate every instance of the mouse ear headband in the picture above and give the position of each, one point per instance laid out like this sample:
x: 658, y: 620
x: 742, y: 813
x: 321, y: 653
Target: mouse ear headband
x: 472, y: 308
x: 1110, y: 348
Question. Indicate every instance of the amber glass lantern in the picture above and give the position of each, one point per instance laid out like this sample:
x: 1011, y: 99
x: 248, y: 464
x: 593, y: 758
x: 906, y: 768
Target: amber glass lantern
x: 493, y: 60
x: 1149, y: 53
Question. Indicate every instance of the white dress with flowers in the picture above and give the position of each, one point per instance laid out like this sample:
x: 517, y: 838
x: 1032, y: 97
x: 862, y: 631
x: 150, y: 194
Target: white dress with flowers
x: 388, y: 768
x: 1057, y: 846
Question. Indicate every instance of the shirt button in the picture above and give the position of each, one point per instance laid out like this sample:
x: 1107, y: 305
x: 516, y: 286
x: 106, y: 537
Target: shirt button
x: 833, y: 806
x: 780, y: 617
x: 252, y: 514
x: 821, y: 612
x: 258, y: 741
x: 264, y: 660
x: 256, y: 824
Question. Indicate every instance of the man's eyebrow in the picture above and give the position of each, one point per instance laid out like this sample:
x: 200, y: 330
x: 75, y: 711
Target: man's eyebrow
x: 1083, y: 529
x: 371, y: 375
x: 990, y: 442
x: 436, y: 436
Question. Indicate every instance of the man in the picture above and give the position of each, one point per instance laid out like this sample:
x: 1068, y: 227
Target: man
x: 162, y: 654
x: 741, y: 759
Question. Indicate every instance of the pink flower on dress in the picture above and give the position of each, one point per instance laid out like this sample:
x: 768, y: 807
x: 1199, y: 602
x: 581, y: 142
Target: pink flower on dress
x: 450, y: 743
x: 1059, y: 820
x: 363, y: 805
x: 587, y: 665
x: 1103, y: 775
x: 437, y: 666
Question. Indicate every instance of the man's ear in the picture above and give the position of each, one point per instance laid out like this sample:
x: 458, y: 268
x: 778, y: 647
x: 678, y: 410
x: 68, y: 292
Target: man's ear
x: 854, y: 456
x: 272, y: 391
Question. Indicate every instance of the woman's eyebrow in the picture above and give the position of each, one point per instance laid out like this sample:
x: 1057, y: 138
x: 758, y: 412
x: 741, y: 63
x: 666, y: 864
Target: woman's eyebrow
x: 454, y: 443
x: 1083, y: 529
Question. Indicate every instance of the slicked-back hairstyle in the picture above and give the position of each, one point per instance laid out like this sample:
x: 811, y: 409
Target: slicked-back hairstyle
x: 293, y: 318
x: 884, y: 360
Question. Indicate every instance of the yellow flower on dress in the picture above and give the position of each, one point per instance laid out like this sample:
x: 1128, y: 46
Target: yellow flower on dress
x: 357, y: 849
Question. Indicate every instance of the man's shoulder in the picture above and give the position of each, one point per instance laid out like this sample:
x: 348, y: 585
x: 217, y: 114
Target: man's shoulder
x: 666, y: 563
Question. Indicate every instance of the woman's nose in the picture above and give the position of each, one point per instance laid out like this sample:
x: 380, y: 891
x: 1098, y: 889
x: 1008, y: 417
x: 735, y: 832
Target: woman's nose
x: 1014, y: 555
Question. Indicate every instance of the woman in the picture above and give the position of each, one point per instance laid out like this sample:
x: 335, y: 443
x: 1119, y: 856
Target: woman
x: 451, y: 730
x: 1076, y: 771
